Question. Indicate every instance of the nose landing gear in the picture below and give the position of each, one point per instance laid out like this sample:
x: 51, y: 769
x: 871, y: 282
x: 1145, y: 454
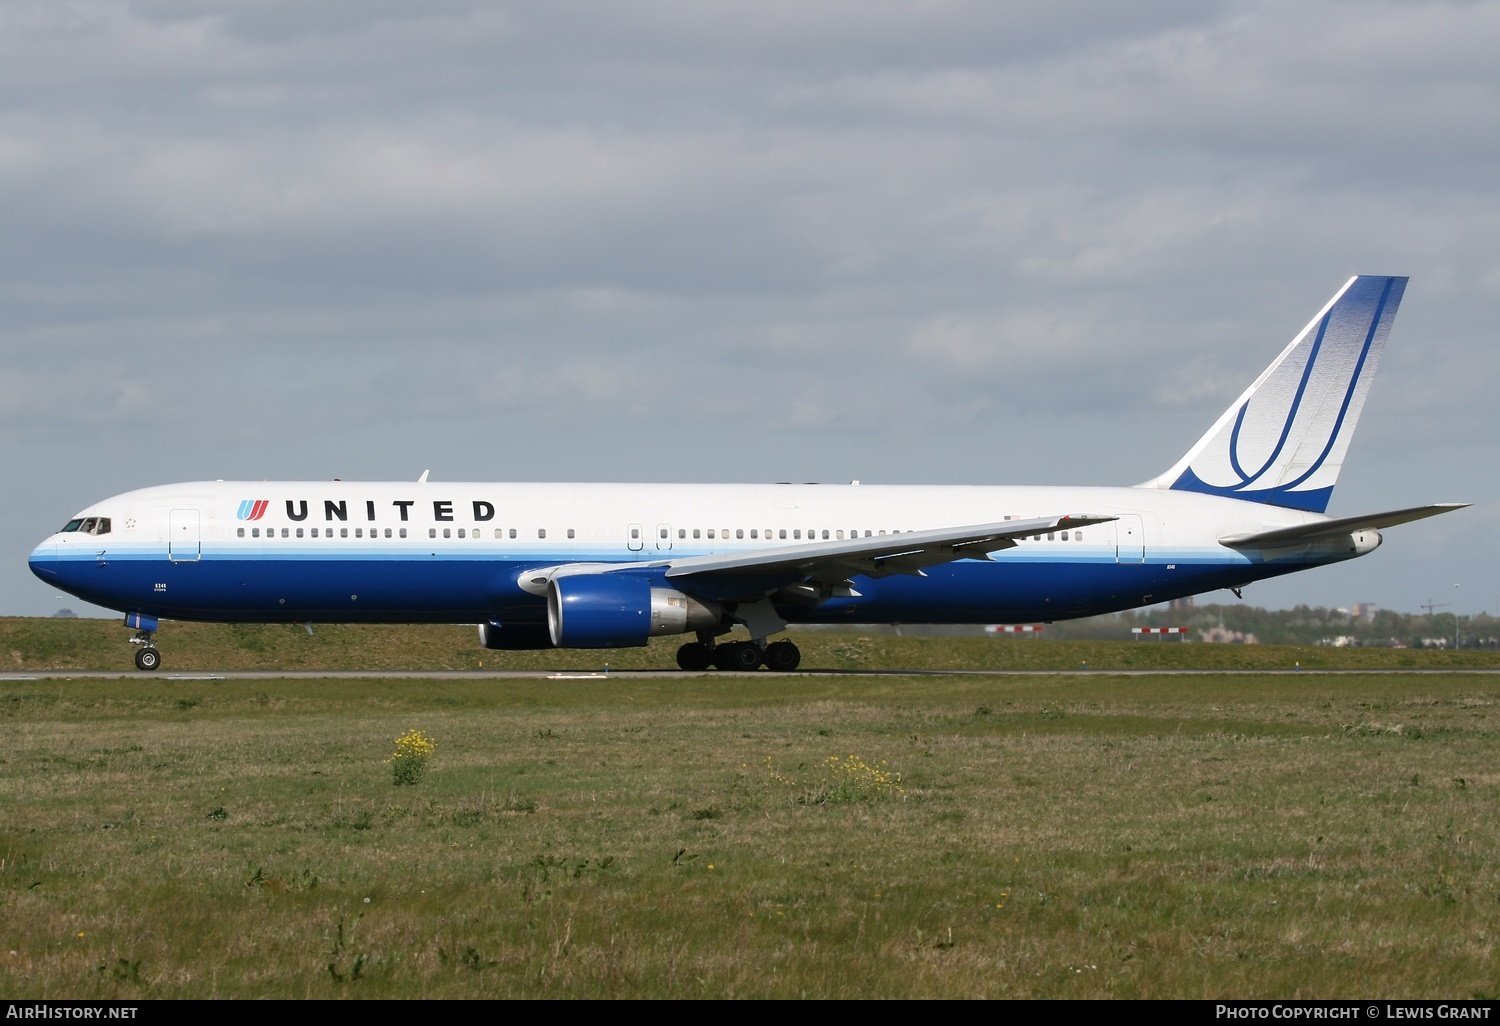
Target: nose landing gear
x: 146, y: 657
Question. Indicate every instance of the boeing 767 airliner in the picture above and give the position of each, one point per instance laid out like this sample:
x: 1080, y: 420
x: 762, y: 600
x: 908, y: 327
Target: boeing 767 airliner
x: 612, y: 565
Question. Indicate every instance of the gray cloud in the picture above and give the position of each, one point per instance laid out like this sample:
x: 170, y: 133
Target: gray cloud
x: 953, y: 241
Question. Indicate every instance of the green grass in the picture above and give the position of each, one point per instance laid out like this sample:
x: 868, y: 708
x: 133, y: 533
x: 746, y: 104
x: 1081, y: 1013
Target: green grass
x: 1078, y: 836
x: 50, y: 644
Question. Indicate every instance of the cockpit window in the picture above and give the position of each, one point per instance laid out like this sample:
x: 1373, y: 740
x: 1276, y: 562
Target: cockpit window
x: 87, y: 525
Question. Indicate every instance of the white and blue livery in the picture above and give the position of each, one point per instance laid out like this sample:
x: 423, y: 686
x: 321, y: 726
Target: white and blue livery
x: 612, y: 565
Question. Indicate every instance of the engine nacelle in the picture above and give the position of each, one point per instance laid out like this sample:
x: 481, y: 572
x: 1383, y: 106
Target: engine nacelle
x: 620, y: 611
x: 514, y: 637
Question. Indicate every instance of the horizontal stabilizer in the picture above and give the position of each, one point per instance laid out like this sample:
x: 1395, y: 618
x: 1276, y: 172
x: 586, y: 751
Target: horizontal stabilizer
x: 1336, y: 528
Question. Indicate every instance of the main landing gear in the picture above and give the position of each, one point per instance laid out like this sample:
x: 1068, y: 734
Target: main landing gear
x: 779, y: 656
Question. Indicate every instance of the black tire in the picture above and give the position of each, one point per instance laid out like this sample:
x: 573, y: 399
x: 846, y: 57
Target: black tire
x: 694, y: 656
x: 147, y: 659
x: 738, y: 655
x: 783, y: 657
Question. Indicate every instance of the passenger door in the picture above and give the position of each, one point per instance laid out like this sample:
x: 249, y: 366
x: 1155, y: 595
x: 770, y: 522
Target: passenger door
x: 184, y: 544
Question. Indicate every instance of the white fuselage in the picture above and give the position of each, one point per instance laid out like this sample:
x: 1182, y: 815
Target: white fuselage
x: 436, y: 552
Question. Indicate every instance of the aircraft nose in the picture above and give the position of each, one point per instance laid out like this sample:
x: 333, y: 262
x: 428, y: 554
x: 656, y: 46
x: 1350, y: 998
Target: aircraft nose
x: 43, y: 559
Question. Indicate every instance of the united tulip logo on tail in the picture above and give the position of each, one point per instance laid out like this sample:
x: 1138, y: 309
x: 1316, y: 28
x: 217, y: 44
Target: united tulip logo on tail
x: 253, y: 509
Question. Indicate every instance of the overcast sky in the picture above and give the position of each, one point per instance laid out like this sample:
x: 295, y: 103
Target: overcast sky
x: 941, y: 242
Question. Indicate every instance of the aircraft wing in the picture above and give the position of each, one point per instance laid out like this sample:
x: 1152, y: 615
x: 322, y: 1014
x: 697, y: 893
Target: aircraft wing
x: 1334, y: 528
x: 832, y: 562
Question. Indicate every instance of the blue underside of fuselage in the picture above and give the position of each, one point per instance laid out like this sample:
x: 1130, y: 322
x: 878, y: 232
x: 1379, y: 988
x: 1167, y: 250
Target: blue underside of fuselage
x: 439, y: 590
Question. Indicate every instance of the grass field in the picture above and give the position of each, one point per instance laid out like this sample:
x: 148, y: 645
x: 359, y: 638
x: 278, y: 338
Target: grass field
x: 49, y: 644
x: 685, y: 836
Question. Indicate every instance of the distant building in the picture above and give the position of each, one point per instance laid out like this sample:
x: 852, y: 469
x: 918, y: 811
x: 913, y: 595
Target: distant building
x: 1365, y: 610
x: 1177, y: 605
x: 65, y: 614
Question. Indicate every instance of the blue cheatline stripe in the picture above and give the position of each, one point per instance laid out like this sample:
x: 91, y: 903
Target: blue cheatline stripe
x: 427, y: 590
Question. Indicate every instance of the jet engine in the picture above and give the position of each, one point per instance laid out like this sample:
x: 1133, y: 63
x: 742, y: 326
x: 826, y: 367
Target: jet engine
x: 514, y: 636
x: 620, y: 611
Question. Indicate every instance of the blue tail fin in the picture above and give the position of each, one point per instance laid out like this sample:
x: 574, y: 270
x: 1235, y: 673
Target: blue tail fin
x: 1284, y: 440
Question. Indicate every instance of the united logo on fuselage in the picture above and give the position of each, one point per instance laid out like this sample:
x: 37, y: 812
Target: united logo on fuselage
x: 253, y: 509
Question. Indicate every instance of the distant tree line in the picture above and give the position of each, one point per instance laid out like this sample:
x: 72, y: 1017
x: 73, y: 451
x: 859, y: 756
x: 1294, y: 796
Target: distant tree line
x: 1301, y: 625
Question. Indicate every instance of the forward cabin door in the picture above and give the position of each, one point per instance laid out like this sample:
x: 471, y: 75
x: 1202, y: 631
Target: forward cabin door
x: 633, y: 538
x: 184, y: 544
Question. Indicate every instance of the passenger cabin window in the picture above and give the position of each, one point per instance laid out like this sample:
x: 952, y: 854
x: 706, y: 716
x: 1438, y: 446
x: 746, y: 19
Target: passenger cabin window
x: 403, y: 532
x: 343, y: 532
x: 512, y: 532
x: 432, y: 532
x: 447, y: 532
x: 240, y: 533
x: 541, y: 532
